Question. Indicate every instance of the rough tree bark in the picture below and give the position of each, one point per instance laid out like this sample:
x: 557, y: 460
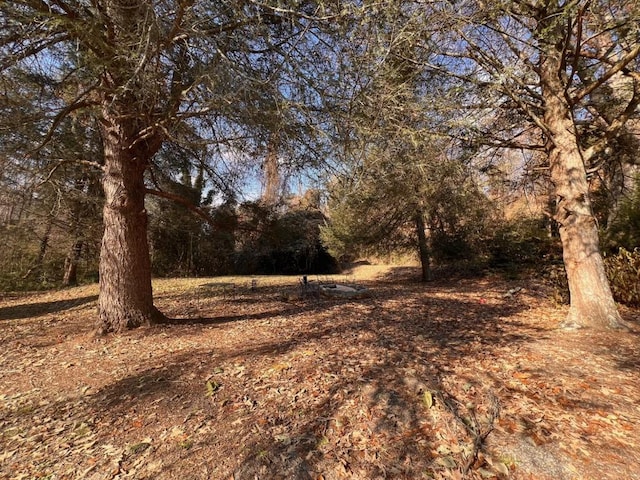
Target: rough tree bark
x: 592, y: 303
x: 130, y: 140
x: 126, y: 299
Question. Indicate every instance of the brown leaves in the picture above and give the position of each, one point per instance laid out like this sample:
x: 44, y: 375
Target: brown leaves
x: 400, y: 385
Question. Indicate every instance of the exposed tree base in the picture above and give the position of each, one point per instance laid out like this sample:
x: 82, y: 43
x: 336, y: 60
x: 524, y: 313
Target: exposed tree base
x: 158, y: 316
x: 109, y: 325
x: 611, y: 322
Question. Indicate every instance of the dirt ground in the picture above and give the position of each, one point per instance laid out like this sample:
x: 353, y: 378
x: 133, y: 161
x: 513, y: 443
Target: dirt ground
x: 255, y: 378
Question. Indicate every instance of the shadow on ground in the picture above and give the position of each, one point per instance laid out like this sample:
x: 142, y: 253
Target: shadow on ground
x: 403, y: 384
x: 382, y: 354
x: 30, y: 310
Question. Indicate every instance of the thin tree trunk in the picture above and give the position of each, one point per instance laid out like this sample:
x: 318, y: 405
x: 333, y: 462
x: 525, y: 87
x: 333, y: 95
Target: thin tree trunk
x: 126, y: 299
x: 592, y: 303
x: 38, y: 266
x: 71, y: 264
x: 423, y: 248
x: 9, y: 214
x: 70, y: 276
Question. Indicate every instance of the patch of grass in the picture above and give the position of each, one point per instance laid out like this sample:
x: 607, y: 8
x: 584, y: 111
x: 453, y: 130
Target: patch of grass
x: 186, y: 444
x: 509, y: 461
x: 322, y: 442
x: 24, y: 410
x: 82, y: 430
x: 139, y: 447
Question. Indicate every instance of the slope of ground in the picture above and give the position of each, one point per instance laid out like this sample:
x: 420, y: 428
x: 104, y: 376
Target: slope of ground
x: 259, y: 378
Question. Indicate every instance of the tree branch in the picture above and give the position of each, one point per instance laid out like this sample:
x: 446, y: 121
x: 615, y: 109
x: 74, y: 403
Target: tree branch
x: 63, y: 162
x: 578, y: 47
x: 619, y: 66
x: 76, y: 105
x: 184, y: 202
x: 31, y: 50
x: 612, y: 130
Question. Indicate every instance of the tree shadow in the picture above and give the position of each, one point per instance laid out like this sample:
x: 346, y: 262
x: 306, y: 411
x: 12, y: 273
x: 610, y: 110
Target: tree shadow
x: 219, y: 320
x: 283, y: 302
x: 339, y: 390
x: 624, y: 352
x: 397, y: 348
x: 410, y: 358
x: 353, y: 406
x: 30, y: 310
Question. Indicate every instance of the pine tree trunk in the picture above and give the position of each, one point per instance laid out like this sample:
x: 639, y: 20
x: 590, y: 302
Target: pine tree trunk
x: 126, y: 299
x: 592, y: 303
x: 423, y: 248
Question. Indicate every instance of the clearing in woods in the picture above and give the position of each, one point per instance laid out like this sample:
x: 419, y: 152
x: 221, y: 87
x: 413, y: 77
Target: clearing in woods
x: 456, y: 379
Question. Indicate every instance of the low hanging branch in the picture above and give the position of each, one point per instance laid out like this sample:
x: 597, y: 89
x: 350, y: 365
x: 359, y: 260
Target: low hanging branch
x: 63, y: 162
x: 193, y: 208
x: 184, y: 202
x: 77, y: 104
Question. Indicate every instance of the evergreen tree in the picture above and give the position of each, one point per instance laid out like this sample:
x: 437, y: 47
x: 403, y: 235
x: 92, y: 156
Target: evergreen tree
x: 145, y: 69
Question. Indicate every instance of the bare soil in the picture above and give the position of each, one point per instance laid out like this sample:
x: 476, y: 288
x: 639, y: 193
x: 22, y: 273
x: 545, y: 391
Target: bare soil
x: 255, y: 378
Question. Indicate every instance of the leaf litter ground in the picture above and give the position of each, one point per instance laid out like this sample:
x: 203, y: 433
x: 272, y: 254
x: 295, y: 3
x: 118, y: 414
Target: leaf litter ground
x: 258, y: 378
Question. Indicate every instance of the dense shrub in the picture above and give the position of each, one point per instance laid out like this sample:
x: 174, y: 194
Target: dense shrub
x: 623, y: 228
x: 623, y: 270
x: 520, y: 242
x: 271, y: 242
x: 453, y: 247
x: 555, y: 276
x: 30, y: 262
x: 183, y: 244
